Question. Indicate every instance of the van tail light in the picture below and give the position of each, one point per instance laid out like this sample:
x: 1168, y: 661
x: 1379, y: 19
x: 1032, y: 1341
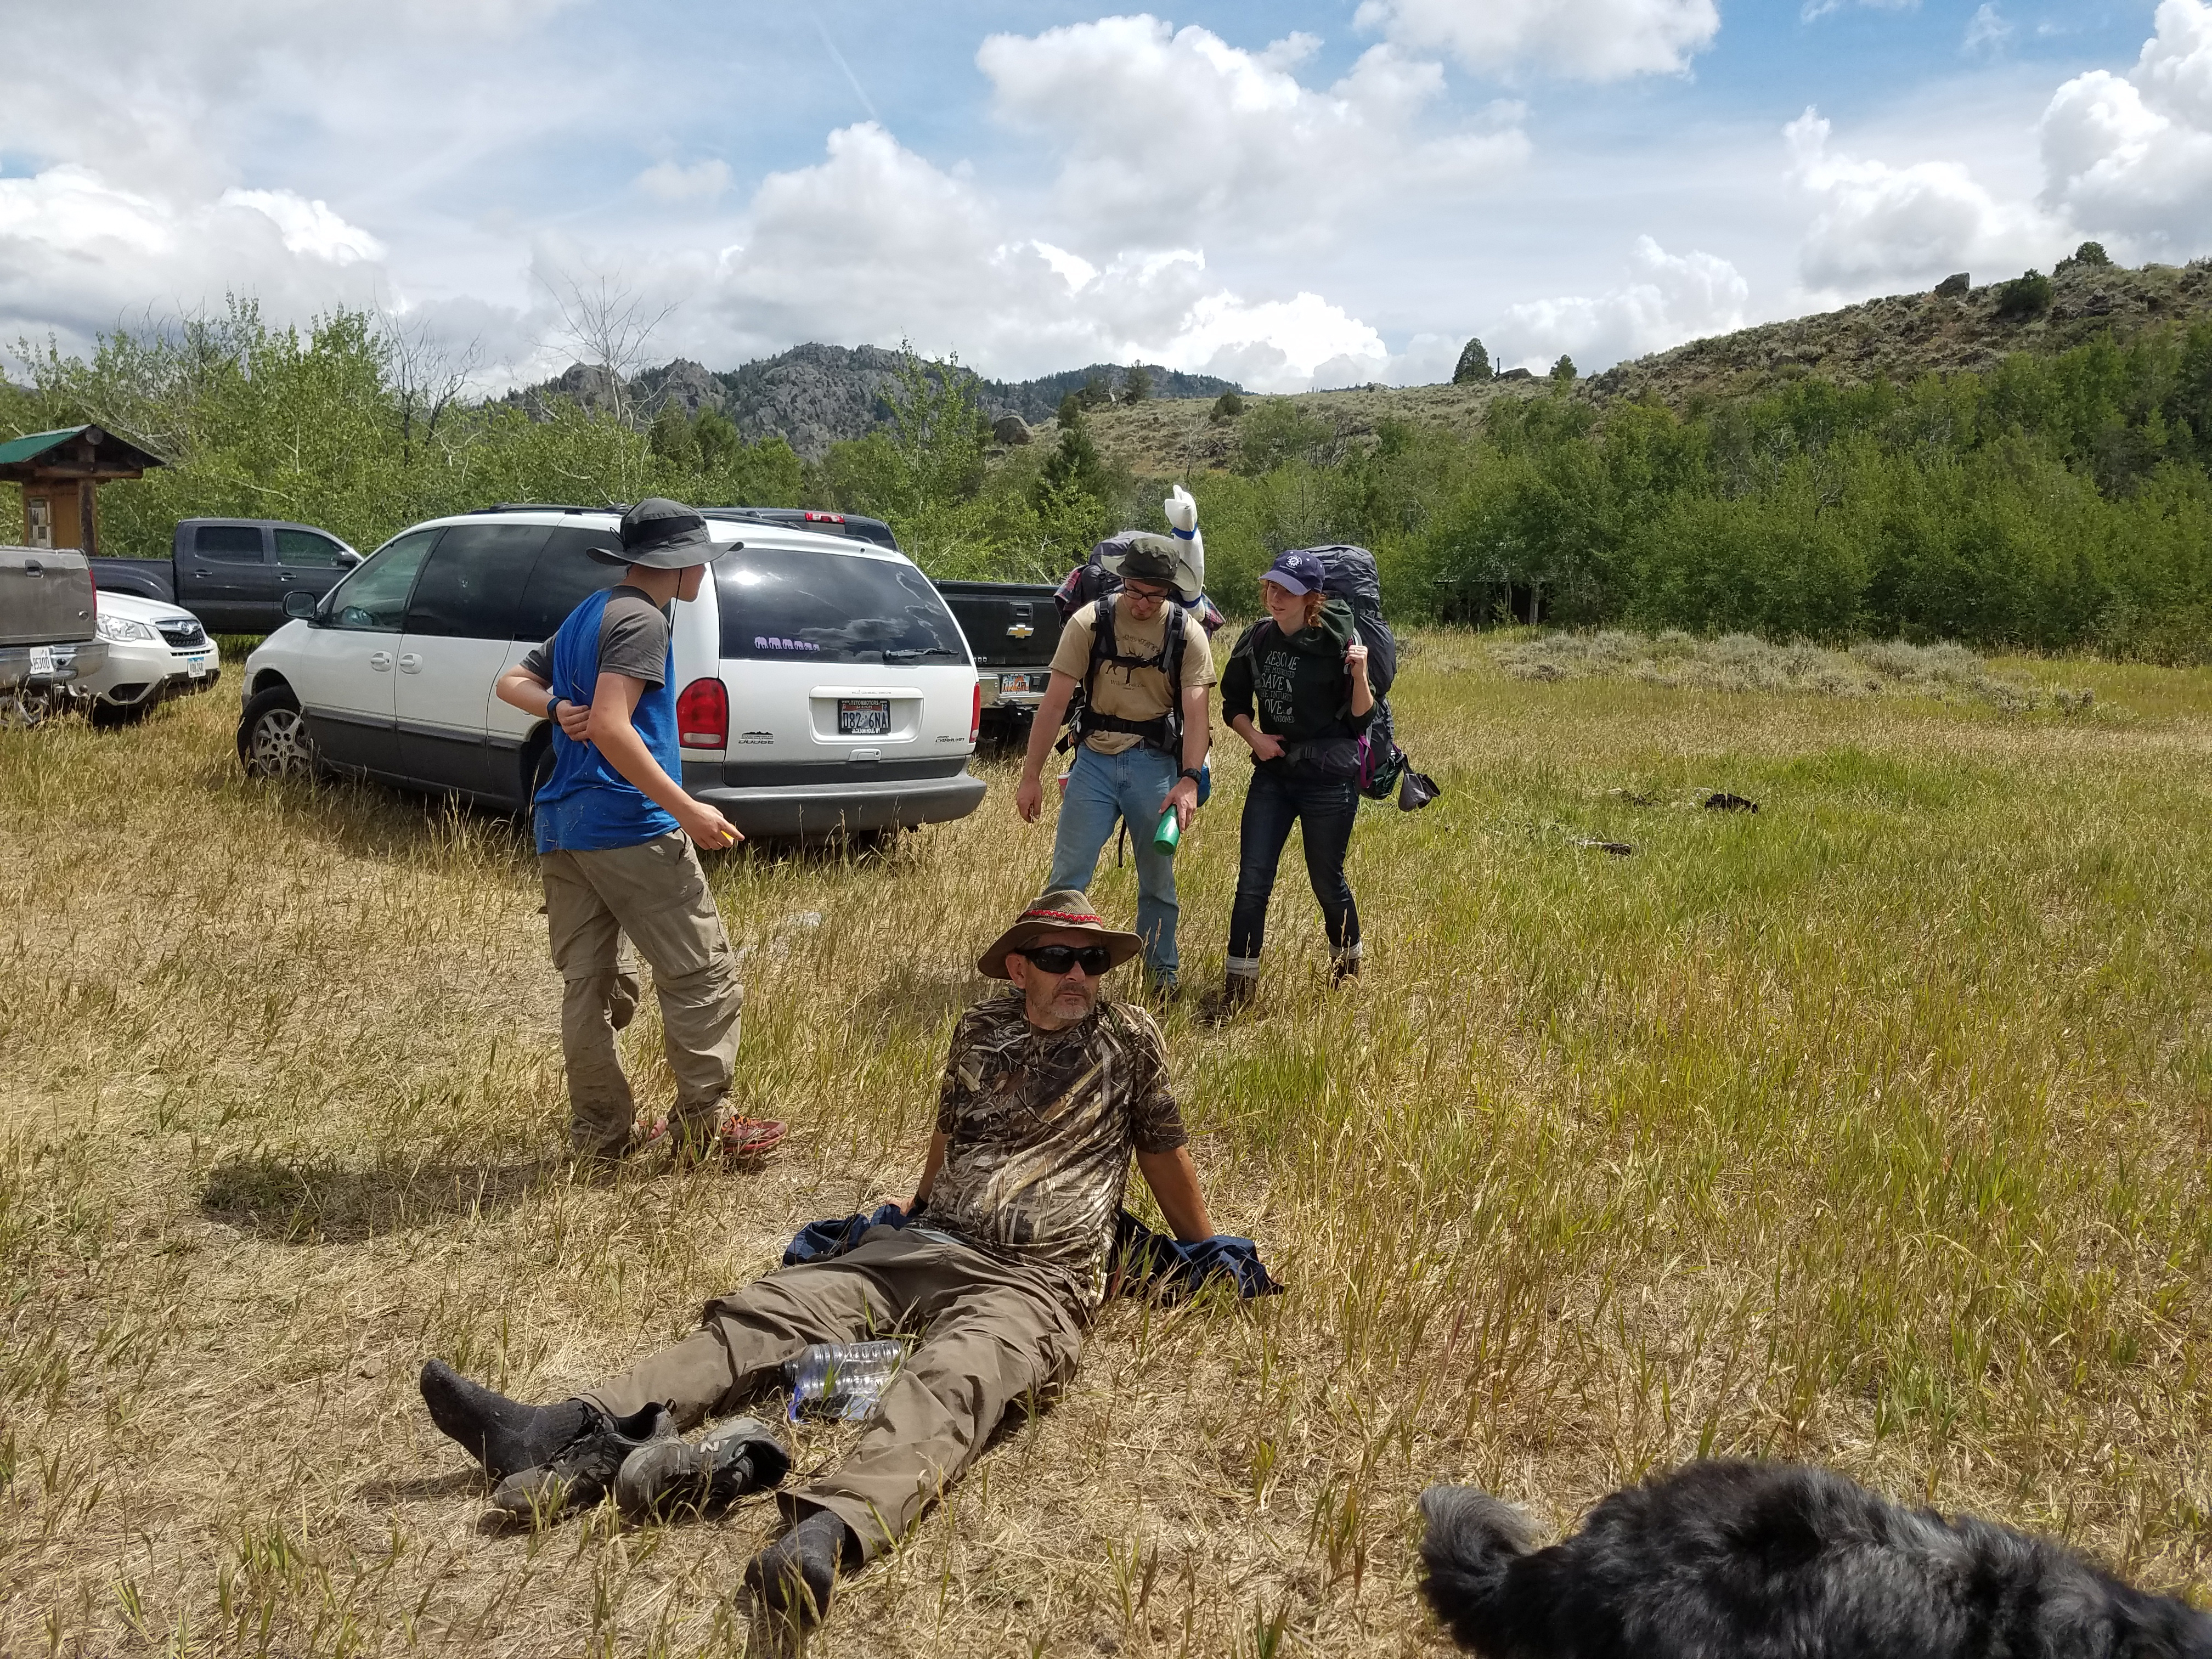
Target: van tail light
x: 976, y: 715
x: 702, y: 715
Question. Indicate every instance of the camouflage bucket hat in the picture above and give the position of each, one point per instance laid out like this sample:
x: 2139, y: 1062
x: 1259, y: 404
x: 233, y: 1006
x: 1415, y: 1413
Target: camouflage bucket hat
x: 1064, y: 910
x: 664, y: 535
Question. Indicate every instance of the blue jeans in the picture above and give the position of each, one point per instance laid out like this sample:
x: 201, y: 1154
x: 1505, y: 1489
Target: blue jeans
x: 1323, y: 807
x: 1102, y: 790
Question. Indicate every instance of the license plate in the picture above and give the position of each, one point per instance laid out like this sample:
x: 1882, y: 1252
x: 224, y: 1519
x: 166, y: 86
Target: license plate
x: 1033, y: 681
x: 864, y: 717
x: 42, y: 660
x: 197, y: 669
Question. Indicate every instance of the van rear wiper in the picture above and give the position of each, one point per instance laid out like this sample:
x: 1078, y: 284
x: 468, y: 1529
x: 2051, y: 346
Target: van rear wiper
x: 917, y: 651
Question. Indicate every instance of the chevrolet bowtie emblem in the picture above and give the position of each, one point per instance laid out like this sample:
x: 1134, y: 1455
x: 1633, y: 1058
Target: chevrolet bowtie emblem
x: 1020, y: 631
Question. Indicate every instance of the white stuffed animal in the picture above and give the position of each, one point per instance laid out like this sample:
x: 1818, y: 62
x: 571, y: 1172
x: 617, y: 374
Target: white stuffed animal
x: 1181, y: 509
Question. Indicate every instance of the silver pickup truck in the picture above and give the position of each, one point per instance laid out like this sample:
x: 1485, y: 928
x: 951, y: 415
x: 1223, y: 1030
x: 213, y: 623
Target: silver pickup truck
x: 47, y: 636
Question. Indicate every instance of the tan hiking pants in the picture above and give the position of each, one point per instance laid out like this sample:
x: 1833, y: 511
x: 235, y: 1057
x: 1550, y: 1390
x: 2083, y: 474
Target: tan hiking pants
x: 656, y: 895
x: 993, y: 1337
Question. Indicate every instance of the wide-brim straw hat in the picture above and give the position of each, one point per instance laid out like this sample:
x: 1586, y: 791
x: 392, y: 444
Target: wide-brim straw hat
x: 664, y: 535
x: 1064, y: 910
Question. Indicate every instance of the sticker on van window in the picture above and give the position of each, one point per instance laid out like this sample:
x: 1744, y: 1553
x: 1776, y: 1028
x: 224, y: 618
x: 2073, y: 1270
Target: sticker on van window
x: 771, y: 642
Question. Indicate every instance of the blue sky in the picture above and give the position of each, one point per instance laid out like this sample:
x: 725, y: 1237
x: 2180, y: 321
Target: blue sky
x: 1296, y: 194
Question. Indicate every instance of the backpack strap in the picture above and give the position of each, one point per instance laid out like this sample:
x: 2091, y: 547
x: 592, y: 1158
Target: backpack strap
x: 1162, y: 732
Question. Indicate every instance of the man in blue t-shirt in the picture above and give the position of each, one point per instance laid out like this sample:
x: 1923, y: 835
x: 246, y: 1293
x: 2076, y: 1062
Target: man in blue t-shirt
x: 615, y: 830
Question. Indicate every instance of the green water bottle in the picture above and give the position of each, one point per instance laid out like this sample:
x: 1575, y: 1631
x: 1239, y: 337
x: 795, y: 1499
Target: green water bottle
x: 1169, y: 832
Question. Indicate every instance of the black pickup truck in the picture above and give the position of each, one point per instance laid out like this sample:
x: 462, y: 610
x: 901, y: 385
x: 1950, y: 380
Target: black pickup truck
x: 1013, y: 628
x: 232, y: 574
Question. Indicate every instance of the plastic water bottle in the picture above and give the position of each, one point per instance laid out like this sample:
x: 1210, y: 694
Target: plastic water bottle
x: 1169, y: 832
x: 843, y: 1379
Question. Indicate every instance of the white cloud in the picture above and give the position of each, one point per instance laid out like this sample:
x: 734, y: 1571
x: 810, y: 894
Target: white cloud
x: 1582, y: 40
x: 1987, y: 30
x: 1670, y: 297
x: 1171, y: 138
x: 1815, y: 10
x: 1873, y: 223
x: 2132, y: 155
x: 875, y: 243
x: 664, y: 181
x: 78, y: 254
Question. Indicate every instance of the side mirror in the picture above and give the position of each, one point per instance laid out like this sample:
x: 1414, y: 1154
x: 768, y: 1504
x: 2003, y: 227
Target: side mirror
x: 348, y: 558
x: 299, y: 602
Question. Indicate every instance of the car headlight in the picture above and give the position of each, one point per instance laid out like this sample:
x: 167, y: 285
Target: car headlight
x: 122, y: 628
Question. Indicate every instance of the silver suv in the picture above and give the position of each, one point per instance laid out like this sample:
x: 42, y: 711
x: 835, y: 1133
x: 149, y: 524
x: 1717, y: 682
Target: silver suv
x: 821, y: 684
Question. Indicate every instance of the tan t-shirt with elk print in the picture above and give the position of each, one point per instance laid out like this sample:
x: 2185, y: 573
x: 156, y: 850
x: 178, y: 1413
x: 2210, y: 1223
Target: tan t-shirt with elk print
x: 1041, y: 1126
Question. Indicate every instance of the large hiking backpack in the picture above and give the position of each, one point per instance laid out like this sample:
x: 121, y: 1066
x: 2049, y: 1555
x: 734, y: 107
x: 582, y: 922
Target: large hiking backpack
x: 1349, y: 574
x: 1091, y: 581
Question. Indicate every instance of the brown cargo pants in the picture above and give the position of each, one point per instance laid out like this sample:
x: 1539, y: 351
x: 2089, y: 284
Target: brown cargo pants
x: 993, y: 1337
x: 656, y: 894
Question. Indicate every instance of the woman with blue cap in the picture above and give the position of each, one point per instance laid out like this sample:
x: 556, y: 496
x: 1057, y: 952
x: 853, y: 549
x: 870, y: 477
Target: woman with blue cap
x: 1297, y: 691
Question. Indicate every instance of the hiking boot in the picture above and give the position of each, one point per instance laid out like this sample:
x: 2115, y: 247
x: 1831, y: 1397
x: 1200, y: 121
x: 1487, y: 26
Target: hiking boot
x: 791, y: 1578
x: 504, y: 1435
x: 1165, y: 989
x: 732, y: 1135
x: 1342, y: 969
x: 578, y: 1475
x: 738, y: 1456
x: 1237, y: 991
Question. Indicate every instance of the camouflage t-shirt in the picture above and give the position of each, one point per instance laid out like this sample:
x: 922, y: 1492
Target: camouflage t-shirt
x: 1041, y: 1127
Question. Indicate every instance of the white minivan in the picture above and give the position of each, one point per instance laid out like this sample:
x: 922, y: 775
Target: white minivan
x: 822, y: 687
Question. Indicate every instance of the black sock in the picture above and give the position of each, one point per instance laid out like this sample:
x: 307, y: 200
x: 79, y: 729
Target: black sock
x: 504, y: 1435
x: 794, y: 1575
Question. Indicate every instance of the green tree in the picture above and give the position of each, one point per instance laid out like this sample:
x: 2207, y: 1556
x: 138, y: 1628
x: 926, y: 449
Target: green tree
x: 2025, y: 298
x: 1473, y: 364
x: 1137, y: 384
x: 1563, y: 372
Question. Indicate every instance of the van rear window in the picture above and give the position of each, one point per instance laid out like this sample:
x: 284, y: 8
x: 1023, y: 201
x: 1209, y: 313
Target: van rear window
x: 831, y: 607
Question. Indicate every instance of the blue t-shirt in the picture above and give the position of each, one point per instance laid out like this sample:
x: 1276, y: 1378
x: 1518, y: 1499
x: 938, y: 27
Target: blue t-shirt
x: 586, y: 807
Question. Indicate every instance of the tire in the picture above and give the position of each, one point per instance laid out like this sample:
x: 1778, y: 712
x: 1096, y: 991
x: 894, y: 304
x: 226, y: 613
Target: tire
x: 24, y: 707
x: 540, y: 773
x: 273, y: 741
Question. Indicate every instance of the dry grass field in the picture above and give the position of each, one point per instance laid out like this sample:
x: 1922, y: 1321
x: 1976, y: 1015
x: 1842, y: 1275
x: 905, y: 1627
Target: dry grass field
x: 1871, y: 1128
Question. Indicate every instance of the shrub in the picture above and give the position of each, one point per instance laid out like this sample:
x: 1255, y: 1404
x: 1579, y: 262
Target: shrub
x: 1228, y: 406
x: 2089, y: 254
x: 2025, y: 298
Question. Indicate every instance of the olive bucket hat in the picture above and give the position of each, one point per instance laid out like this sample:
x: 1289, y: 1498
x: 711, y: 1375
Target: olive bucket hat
x: 664, y: 535
x: 1065, y: 909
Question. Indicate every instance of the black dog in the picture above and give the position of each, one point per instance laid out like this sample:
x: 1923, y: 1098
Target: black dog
x: 1764, y: 1560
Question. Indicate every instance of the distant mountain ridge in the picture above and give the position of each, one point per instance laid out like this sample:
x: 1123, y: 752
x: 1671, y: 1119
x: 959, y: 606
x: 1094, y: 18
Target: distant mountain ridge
x: 813, y: 395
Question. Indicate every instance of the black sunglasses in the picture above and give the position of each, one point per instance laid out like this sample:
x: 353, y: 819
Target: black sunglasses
x: 1059, y: 958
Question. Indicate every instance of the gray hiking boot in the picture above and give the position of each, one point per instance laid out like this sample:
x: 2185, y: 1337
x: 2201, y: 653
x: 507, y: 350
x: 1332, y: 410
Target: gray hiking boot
x: 578, y: 1475
x: 736, y: 1457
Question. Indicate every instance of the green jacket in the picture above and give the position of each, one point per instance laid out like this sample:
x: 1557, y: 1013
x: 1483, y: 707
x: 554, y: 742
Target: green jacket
x: 1296, y: 683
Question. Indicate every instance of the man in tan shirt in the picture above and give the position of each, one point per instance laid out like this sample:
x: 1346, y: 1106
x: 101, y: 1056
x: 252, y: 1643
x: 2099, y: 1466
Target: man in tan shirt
x: 1141, y: 736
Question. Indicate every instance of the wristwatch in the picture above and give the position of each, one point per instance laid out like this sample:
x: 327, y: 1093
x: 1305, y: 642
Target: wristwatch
x: 1191, y: 772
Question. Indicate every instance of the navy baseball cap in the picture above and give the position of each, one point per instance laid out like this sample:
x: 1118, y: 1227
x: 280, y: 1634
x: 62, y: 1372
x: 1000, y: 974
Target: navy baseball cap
x: 1296, y: 572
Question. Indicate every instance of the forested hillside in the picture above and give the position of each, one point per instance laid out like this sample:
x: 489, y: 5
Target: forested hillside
x: 2056, y: 495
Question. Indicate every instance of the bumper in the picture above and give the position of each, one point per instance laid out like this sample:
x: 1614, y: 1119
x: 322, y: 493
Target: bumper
x: 825, y: 809
x: 51, y: 665
x: 136, y: 673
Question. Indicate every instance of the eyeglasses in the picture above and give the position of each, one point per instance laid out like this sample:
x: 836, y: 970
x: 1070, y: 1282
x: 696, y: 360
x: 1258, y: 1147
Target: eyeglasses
x: 1059, y: 958
x: 1148, y: 592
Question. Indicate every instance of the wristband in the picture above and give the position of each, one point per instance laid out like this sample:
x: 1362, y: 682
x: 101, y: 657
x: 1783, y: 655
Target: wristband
x: 553, y: 709
x: 1191, y: 772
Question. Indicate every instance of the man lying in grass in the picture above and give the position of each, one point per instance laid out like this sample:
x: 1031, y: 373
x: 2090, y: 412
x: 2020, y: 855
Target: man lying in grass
x: 1047, y: 1092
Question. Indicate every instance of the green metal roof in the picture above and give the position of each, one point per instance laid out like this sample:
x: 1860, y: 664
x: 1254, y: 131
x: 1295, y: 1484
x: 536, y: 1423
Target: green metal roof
x: 33, y: 443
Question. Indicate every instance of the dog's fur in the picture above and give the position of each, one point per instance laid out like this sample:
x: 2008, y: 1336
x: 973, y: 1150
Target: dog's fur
x: 1765, y: 1561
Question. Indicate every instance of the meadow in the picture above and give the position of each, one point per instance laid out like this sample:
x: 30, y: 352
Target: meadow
x: 1870, y: 1128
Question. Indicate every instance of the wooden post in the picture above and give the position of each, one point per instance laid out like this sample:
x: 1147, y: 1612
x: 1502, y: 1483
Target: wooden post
x: 86, y: 496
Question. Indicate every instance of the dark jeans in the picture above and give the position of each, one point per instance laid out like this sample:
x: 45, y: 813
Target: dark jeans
x: 1323, y: 808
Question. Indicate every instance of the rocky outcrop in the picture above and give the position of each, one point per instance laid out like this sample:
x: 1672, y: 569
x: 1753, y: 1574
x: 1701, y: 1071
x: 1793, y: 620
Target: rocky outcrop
x: 813, y: 395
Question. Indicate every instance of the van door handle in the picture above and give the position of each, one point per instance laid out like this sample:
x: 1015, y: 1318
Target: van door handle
x: 410, y: 663
x: 380, y: 661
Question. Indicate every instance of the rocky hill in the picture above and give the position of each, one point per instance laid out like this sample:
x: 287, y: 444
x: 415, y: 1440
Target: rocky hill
x: 814, y: 396
x: 1908, y: 335
x: 1902, y: 337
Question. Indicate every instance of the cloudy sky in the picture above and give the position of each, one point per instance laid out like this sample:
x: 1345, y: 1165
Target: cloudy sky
x: 1304, y: 192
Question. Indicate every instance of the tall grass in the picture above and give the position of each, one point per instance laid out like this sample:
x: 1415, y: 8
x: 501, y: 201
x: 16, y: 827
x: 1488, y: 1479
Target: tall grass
x: 1869, y: 1128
